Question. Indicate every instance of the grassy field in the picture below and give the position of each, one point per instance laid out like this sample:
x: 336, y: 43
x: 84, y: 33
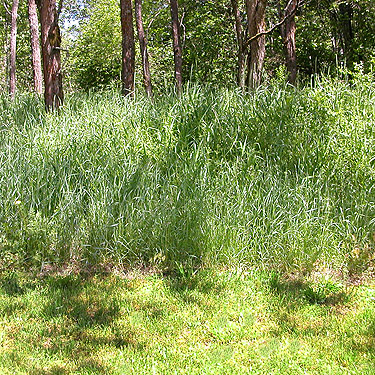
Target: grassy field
x: 252, y: 217
x: 280, y: 178
x: 213, y: 322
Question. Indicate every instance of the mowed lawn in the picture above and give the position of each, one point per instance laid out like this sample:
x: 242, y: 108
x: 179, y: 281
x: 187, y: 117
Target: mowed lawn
x: 210, y: 322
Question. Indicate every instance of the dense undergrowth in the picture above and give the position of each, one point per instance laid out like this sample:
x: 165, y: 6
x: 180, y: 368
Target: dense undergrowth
x: 282, y: 177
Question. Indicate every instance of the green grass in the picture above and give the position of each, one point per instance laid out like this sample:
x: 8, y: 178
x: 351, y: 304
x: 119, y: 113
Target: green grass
x: 212, y: 322
x: 280, y: 178
x: 252, y: 215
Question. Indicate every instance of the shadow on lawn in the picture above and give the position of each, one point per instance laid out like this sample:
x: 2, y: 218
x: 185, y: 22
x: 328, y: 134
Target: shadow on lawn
x: 192, y: 286
x: 11, y: 285
x: 54, y: 370
x: 297, y: 290
x: 69, y: 297
x: 80, y: 314
x: 88, y: 366
x: 291, y: 296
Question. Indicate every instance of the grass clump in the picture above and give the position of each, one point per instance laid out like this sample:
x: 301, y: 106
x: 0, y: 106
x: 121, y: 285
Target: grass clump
x: 281, y: 177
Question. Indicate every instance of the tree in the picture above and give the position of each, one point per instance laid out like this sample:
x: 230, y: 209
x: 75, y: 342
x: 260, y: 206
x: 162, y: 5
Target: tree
x: 13, y: 49
x: 211, y: 49
x: 255, y: 10
x: 128, y: 49
x: 177, y: 48
x: 35, y: 47
x: 51, y: 51
x: 288, y: 32
x: 143, y: 48
x: 345, y: 21
x: 241, y: 47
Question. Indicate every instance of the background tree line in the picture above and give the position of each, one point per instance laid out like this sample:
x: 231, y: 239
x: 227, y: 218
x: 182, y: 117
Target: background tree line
x: 243, y: 42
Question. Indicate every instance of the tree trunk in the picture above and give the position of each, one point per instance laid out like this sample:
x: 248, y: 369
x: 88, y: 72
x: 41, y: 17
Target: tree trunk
x: 4, y: 65
x: 255, y: 10
x: 13, y: 49
x: 288, y: 34
x: 128, y: 49
x: 51, y: 47
x: 241, y: 48
x: 143, y: 48
x: 35, y: 47
x: 177, y: 49
x: 345, y: 16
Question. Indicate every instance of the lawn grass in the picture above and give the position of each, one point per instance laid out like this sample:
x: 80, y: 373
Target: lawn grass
x: 212, y: 322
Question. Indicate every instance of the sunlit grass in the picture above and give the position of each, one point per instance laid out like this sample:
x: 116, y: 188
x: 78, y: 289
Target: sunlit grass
x: 279, y: 178
x: 214, y: 322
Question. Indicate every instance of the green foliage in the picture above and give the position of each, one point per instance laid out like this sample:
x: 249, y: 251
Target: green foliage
x: 97, y: 51
x: 209, y: 42
x: 210, y: 54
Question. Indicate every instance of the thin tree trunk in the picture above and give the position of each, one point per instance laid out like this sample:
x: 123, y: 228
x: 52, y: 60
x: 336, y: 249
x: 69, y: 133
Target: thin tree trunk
x: 241, y: 48
x: 51, y: 47
x: 128, y: 49
x: 143, y: 48
x: 255, y: 10
x: 3, y: 67
x: 13, y: 49
x: 6, y: 55
x: 288, y: 34
x: 35, y: 47
x: 177, y: 49
x: 345, y: 16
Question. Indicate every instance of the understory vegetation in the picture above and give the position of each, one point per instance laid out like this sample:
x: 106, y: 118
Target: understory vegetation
x: 281, y: 177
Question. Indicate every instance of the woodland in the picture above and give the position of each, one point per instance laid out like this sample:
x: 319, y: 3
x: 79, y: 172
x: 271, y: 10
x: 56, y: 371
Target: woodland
x: 96, y: 44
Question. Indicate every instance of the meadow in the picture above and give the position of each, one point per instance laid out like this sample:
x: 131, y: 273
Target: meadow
x: 247, y: 219
x: 278, y: 178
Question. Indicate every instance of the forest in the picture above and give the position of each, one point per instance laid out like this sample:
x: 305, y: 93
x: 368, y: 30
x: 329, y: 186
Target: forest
x: 187, y: 187
x: 97, y: 44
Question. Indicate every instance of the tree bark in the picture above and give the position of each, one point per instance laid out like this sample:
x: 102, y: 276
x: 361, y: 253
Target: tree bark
x: 4, y: 65
x: 241, y: 47
x: 35, y: 47
x: 128, y: 48
x: 288, y: 34
x: 177, y: 49
x: 345, y: 16
x: 143, y: 48
x: 51, y: 47
x: 13, y: 49
x: 255, y: 10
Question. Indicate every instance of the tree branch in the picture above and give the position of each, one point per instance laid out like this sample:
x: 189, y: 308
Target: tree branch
x: 152, y: 20
x: 7, y: 9
x: 59, y: 9
x: 285, y: 18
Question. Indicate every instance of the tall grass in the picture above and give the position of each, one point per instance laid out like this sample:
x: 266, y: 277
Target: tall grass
x: 281, y: 177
